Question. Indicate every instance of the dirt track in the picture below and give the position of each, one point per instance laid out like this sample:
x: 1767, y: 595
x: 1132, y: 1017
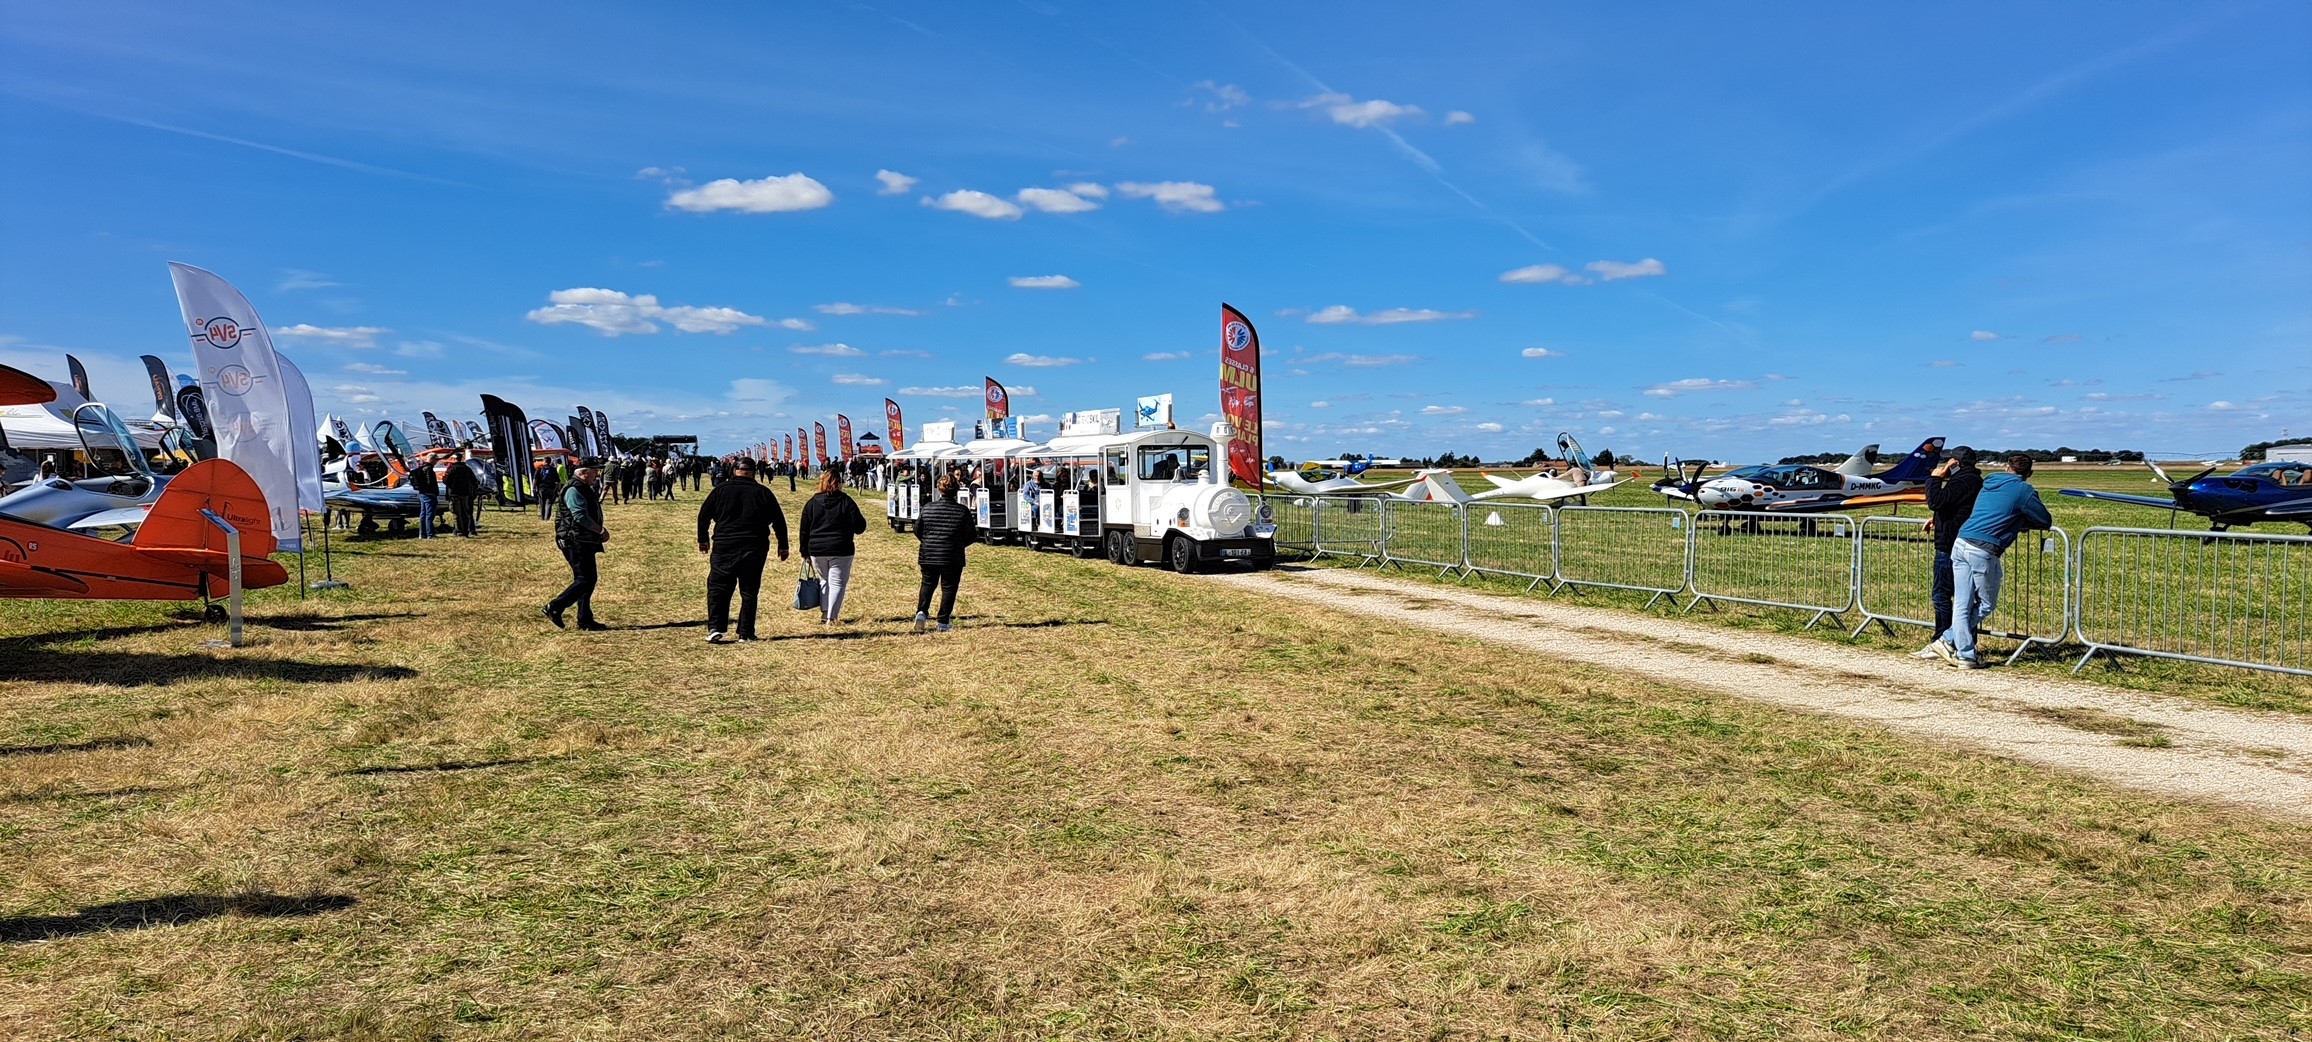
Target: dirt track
x: 2258, y: 760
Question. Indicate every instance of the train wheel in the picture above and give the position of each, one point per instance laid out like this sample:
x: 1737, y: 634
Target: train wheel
x: 1182, y: 554
x: 1115, y: 547
x: 1075, y: 547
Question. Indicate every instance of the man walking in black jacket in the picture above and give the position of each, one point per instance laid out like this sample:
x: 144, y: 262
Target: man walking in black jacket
x: 1951, y: 492
x: 465, y: 490
x: 945, y: 529
x: 741, y: 515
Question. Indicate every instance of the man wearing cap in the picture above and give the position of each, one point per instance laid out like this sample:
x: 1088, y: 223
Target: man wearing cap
x: 735, y: 524
x: 2006, y: 507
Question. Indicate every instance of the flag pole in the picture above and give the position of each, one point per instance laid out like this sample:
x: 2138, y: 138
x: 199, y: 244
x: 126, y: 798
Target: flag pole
x: 328, y: 565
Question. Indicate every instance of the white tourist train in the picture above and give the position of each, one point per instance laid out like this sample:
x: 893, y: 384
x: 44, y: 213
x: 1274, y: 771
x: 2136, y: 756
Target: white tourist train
x: 1158, y: 495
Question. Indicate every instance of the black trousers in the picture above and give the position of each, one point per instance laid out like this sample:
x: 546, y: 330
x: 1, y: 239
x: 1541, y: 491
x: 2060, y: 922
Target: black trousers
x: 546, y: 498
x: 462, y: 507
x: 942, y: 577
x: 580, y: 592
x: 728, y: 570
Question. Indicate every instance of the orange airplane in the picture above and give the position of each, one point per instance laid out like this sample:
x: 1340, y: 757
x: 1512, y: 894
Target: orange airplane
x: 176, y: 555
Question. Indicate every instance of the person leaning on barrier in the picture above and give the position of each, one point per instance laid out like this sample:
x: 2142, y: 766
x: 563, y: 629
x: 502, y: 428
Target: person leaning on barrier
x: 742, y: 516
x: 579, y: 533
x: 2007, y: 507
x: 943, y: 530
x: 1951, y: 492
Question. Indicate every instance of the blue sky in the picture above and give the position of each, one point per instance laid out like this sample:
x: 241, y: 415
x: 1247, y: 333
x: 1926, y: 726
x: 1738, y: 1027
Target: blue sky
x: 1728, y: 230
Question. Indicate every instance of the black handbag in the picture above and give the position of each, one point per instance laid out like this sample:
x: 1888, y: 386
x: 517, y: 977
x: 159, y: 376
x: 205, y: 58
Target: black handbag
x: 809, y: 593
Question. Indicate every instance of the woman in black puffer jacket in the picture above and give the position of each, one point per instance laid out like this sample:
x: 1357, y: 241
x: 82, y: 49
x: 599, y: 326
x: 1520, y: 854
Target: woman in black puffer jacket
x: 830, y: 519
x: 944, y: 528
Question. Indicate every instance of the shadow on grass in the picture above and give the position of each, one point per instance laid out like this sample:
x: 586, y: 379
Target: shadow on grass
x: 323, y: 623
x: 964, y: 621
x: 133, y: 669
x: 174, y: 910
x: 444, y: 767
x: 58, y: 795
x: 690, y: 624
x: 93, y: 744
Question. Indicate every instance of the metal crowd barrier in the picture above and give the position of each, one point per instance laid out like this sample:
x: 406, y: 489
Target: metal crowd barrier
x: 2222, y: 598
x: 1804, y: 562
x: 1621, y: 548
x: 1424, y: 533
x: 1348, y: 527
x: 1894, y: 579
x: 1511, y: 539
x: 1295, y: 520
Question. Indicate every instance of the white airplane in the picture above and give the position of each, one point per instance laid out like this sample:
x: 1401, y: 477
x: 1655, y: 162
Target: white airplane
x: 1439, y: 486
x: 1307, y: 484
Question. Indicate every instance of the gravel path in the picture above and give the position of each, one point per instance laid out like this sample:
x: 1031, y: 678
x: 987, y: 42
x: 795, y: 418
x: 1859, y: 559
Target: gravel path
x: 2257, y: 760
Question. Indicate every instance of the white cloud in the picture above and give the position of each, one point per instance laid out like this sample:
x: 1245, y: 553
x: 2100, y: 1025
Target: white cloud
x: 894, y: 182
x: 1695, y: 383
x: 1489, y: 428
x: 903, y: 353
x: 755, y: 390
x: 975, y: 203
x: 1164, y: 356
x: 787, y: 194
x: 1320, y: 405
x: 1040, y: 361
x: 1349, y: 112
x: 1539, y: 403
x: 943, y: 392
x: 298, y: 278
x: 1611, y: 270
x: 2221, y: 407
x: 841, y: 308
x: 612, y: 313
x: 1339, y: 314
x: 1225, y: 96
x: 829, y: 350
x: 1982, y: 334
x: 657, y: 173
x: 1043, y: 282
x: 859, y: 380
x: 373, y: 370
x: 1053, y: 200
x: 1089, y: 189
x: 1545, y: 273
x: 1176, y: 196
x: 1458, y: 118
x: 341, y: 336
x: 1442, y: 410
x: 1362, y: 361
x: 1539, y: 352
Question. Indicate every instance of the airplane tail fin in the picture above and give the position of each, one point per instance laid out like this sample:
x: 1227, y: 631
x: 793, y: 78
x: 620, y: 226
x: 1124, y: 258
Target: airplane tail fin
x: 175, y: 522
x: 1859, y: 464
x: 1441, y: 487
x: 1916, y: 467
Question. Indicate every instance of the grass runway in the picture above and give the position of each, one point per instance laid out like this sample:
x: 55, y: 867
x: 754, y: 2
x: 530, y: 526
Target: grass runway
x: 1113, y: 805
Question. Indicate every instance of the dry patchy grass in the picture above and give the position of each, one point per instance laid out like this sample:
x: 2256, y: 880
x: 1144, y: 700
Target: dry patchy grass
x: 1115, y: 804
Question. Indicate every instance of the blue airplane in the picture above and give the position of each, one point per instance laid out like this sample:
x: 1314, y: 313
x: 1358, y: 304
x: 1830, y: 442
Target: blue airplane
x: 2264, y: 492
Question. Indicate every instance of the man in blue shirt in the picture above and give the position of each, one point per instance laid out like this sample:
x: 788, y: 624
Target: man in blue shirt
x: 2007, y: 507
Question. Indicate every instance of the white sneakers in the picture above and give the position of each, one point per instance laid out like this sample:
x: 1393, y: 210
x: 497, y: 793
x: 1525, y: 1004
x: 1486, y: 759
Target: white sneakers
x: 921, y: 620
x: 717, y: 637
x: 1931, y: 652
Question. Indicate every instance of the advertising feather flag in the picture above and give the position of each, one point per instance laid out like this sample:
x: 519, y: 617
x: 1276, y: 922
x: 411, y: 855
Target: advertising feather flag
x: 164, y: 400
x: 998, y: 402
x: 819, y: 442
x: 247, y: 402
x: 895, y: 428
x: 843, y: 435
x: 1240, y: 394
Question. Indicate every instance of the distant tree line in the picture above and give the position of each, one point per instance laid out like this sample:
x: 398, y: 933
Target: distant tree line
x: 2256, y: 451
x: 2054, y: 455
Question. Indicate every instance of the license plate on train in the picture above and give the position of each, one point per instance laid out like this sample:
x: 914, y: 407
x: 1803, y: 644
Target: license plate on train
x: 1235, y: 552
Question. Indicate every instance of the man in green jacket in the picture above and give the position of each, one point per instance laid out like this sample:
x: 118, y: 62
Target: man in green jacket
x: 579, y: 533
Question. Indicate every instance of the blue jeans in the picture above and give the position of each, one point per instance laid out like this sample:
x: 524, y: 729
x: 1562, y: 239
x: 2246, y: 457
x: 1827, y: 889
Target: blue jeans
x: 1975, y: 576
x: 425, y: 511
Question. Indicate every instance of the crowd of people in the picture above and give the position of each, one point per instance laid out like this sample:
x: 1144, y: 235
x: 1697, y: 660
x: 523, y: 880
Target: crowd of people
x: 741, y: 525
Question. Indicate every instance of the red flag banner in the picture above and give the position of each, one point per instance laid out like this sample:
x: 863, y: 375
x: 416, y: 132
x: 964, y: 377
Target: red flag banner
x: 896, y: 428
x: 819, y: 444
x: 998, y: 401
x: 802, y: 445
x: 843, y: 435
x: 1240, y: 394
x: 789, y: 455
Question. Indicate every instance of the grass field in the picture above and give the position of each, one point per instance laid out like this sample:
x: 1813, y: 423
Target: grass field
x: 1115, y: 804
x: 2033, y: 594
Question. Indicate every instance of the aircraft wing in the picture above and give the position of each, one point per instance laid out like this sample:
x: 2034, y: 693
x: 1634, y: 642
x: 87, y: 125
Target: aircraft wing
x: 1584, y: 490
x: 1501, y: 482
x: 22, y: 580
x: 2121, y: 497
x: 1826, y: 505
x: 125, y: 517
x: 2292, y: 508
